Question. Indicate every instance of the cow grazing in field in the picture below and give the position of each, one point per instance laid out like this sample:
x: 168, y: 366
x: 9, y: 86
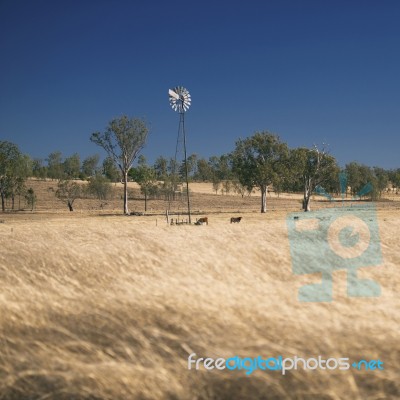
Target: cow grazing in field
x: 202, y: 221
x: 236, y: 219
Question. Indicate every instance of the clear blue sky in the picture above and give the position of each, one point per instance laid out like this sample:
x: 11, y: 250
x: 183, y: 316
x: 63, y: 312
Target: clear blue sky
x: 310, y: 71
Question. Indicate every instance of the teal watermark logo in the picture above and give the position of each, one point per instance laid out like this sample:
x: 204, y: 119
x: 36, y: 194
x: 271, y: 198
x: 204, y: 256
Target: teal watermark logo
x: 280, y: 363
x: 338, y: 238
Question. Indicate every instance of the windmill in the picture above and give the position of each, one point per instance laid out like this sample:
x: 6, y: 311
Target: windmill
x: 180, y: 100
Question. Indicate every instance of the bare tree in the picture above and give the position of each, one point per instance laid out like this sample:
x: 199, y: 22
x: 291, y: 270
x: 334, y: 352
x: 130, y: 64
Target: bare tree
x: 123, y: 140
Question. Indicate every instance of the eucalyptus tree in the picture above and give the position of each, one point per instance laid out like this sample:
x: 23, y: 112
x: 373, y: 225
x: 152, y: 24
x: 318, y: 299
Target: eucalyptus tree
x: 72, y: 166
x: 365, y: 180
x: 110, y: 171
x: 31, y: 198
x: 312, y: 168
x: 145, y: 176
x: 394, y: 177
x: 381, y: 180
x: 89, y: 165
x: 99, y: 186
x: 55, y: 165
x: 123, y: 140
x: 360, y: 176
x: 14, y: 170
x: 161, y: 167
x: 39, y: 170
x: 260, y: 161
x: 203, y: 170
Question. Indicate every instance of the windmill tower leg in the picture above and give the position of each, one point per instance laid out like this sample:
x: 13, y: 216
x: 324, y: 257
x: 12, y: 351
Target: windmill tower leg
x: 186, y: 166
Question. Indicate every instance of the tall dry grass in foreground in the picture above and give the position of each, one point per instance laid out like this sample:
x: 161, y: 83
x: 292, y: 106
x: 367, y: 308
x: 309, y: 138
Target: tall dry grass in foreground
x: 110, y: 308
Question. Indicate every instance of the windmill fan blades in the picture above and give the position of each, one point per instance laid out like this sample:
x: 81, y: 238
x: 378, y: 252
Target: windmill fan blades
x: 180, y: 99
x: 173, y: 94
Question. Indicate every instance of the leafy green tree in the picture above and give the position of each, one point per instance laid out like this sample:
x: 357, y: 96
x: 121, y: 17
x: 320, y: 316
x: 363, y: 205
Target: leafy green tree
x: 161, y: 168
x: 220, y: 170
x: 224, y: 167
x: 123, y: 140
x: 31, y: 198
x: 38, y: 169
x: 394, y: 177
x: 68, y: 191
x: 110, y: 171
x: 14, y: 169
x: 99, y: 186
x: 312, y: 167
x: 22, y: 170
x: 381, y: 180
x: 204, y: 172
x: 89, y: 165
x: 171, y: 180
x: 258, y: 161
x: 72, y: 166
x: 191, y: 165
x: 239, y: 188
x: 213, y: 163
x: 54, y: 165
x: 145, y: 176
x: 172, y: 167
x: 359, y: 176
x: 355, y: 178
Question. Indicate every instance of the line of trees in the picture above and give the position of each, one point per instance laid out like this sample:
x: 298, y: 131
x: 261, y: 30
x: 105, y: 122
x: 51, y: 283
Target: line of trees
x: 56, y: 167
x: 261, y: 161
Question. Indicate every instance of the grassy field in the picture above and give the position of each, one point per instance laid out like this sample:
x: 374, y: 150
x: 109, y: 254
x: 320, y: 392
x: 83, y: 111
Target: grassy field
x: 101, y: 306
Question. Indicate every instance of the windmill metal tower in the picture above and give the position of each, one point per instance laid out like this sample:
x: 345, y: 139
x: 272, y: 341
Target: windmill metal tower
x: 180, y: 100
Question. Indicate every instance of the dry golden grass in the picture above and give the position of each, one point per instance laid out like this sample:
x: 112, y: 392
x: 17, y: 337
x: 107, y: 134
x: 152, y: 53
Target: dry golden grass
x: 110, y: 307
